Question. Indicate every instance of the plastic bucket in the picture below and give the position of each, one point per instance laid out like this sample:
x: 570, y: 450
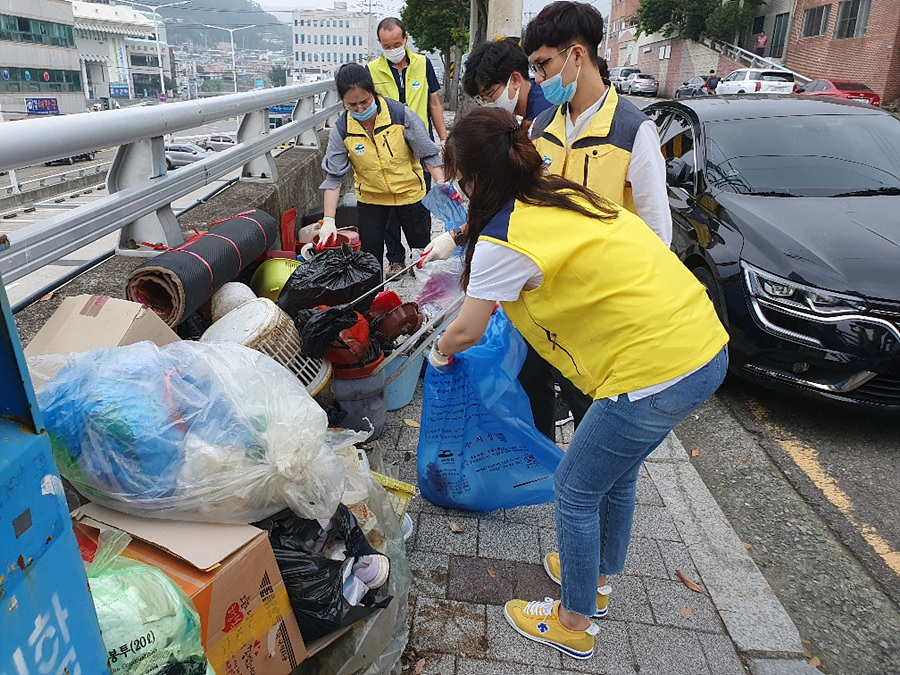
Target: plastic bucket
x: 231, y: 296
x: 399, y: 393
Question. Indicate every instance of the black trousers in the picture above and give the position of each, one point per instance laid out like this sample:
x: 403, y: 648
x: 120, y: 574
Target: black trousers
x: 414, y: 219
x: 395, y: 251
x: 536, y: 378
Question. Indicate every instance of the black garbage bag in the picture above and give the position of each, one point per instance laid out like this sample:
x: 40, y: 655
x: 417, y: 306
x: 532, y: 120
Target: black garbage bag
x: 320, y: 327
x: 332, y: 277
x: 314, y: 581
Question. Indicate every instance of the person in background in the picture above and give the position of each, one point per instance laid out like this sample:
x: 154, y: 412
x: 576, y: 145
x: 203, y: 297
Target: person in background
x: 409, y: 78
x: 711, y: 83
x: 497, y: 75
x: 599, y: 296
x: 761, y: 41
x: 385, y: 144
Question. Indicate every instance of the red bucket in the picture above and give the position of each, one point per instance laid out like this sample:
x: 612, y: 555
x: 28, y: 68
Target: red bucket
x: 348, y: 235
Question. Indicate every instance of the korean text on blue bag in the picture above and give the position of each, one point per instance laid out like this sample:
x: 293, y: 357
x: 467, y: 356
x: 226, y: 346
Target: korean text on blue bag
x: 478, y: 447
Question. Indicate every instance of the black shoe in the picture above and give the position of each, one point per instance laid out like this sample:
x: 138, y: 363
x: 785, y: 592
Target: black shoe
x: 562, y: 414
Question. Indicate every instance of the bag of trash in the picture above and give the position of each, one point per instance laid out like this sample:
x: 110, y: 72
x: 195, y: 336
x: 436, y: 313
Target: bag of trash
x: 332, y: 277
x: 148, y: 624
x: 440, y: 283
x: 332, y: 575
x: 374, y: 645
x: 446, y: 204
x: 192, y: 431
x: 321, y: 326
x: 478, y: 446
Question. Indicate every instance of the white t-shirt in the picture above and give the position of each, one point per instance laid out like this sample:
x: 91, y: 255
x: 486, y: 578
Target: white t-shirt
x: 500, y: 274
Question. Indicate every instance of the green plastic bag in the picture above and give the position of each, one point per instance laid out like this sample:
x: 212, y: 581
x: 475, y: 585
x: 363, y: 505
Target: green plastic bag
x: 149, y: 625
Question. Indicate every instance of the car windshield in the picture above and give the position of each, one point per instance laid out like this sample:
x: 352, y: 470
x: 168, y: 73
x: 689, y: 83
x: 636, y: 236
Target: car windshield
x: 806, y: 156
x: 643, y: 77
x: 851, y: 86
x: 773, y: 76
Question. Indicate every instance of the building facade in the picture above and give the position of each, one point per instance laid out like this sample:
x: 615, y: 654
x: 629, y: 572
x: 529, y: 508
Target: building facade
x: 855, y: 40
x: 40, y: 72
x: 324, y: 39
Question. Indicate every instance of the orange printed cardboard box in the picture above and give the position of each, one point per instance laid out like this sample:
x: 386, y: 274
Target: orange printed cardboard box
x: 230, y: 573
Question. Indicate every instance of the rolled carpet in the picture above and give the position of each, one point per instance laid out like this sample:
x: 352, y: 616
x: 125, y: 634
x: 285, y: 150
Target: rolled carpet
x: 177, y: 282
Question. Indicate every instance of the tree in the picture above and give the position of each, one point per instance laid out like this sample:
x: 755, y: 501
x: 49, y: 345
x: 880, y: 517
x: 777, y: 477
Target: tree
x: 440, y: 25
x: 212, y: 85
x: 278, y: 76
x: 692, y: 18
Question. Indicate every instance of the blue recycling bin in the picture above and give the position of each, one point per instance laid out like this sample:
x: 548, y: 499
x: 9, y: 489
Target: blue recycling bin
x: 47, y: 618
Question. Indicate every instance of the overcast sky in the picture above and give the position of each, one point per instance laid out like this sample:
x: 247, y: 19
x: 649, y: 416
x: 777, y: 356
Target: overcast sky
x: 382, y: 8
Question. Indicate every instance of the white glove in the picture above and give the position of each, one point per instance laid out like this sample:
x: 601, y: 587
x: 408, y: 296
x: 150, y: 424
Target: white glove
x: 440, y: 248
x: 327, y: 233
x: 439, y: 361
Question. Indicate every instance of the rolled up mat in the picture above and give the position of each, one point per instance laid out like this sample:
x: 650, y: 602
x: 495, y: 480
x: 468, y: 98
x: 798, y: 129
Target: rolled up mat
x: 177, y: 282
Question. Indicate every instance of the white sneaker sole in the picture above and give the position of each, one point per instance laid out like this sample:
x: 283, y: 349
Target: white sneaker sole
x: 599, y: 614
x: 575, y: 654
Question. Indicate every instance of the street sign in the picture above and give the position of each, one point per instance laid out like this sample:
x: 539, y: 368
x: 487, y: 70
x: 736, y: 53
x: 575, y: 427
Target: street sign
x: 260, y: 84
x: 281, y: 109
x: 41, y: 106
x: 162, y: 97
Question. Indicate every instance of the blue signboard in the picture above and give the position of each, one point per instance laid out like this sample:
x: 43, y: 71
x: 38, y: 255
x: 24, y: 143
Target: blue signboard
x: 260, y: 84
x: 118, y: 90
x: 41, y: 106
x: 281, y: 109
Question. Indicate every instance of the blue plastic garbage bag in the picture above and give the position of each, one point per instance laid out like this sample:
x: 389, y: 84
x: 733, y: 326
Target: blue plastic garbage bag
x: 478, y: 447
x: 446, y: 204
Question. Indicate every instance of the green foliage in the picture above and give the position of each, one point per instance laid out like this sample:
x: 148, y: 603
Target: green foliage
x: 185, y: 24
x: 692, y: 18
x: 278, y: 76
x: 437, y: 24
x: 212, y: 85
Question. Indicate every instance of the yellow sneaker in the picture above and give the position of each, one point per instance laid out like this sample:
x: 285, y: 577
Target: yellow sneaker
x: 539, y: 621
x: 551, y: 564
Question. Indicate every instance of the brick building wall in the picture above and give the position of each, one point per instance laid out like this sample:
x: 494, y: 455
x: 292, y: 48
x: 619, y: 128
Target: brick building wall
x: 683, y: 59
x: 622, y: 18
x: 873, y: 59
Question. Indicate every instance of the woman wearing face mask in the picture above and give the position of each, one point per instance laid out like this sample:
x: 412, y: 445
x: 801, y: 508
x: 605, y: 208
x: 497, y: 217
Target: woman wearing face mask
x: 497, y: 75
x: 382, y: 141
x: 600, y: 297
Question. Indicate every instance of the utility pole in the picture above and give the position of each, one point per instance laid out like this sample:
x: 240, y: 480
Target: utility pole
x: 231, y: 33
x: 504, y: 19
x: 12, y: 172
x: 156, y: 21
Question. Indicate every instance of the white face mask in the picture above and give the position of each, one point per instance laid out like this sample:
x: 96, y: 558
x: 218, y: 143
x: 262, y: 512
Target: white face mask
x: 504, y: 101
x: 395, y: 55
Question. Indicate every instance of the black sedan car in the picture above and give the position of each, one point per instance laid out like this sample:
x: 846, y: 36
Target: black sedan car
x: 692, y: 87
x: 788, y: 210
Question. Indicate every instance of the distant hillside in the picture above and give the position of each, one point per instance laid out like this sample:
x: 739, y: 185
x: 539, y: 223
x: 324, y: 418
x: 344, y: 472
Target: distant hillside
x: 185, y: 24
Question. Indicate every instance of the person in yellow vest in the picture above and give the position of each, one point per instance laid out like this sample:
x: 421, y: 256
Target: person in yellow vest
x: 407, y: 77
x: 383, y: 142
x: 597, y: 294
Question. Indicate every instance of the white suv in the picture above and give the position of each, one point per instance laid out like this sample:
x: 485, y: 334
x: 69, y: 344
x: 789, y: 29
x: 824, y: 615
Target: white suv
x: 757, y: 81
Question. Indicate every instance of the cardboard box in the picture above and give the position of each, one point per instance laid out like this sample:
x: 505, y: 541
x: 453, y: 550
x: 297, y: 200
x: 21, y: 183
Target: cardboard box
x: 86, y: 322
x: 230, y: 573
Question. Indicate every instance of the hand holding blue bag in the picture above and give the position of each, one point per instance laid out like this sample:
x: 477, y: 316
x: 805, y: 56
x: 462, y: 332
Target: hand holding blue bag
x: 478, y: 447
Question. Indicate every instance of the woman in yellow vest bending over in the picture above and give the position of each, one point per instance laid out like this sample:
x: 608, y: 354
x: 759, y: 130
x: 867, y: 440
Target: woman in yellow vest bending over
x: 382, y: 141
x: 600, y: 297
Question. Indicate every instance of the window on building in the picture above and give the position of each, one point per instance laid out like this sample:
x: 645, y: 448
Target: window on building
x: 296, y: 39
x: 315, y: 23
x: 328, y: 39
x: 295, y: 23
x: 20, y: 29
x: 759, y: 23
x: 852, y: 17
x: 815, y: 21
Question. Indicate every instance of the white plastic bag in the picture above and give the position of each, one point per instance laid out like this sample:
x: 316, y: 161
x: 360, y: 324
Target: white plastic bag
x: 193, y: 431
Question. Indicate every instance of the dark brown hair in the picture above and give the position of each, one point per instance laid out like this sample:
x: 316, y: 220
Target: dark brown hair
x: 561, y: 23
x: 496, y: 162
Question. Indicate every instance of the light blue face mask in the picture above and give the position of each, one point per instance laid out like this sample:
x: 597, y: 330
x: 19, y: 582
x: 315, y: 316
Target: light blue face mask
x: 365, y: 114
x: 553, y: 88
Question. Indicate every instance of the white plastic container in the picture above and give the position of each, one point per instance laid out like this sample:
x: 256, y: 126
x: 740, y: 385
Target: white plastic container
x: 231, y: 296
x: 261, y: 325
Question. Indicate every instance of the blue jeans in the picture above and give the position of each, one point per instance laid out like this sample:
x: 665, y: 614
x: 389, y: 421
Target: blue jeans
x: 595, y: 483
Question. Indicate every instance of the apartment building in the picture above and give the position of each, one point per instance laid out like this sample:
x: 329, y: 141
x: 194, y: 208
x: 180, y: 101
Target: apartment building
x: 323, y: 39
x: 40, y: 72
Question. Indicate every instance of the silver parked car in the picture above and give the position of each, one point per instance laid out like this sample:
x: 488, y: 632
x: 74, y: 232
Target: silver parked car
x: 617, y: 76
x: 218, y: 142
x: 641, y: 83
x: 180, y: 154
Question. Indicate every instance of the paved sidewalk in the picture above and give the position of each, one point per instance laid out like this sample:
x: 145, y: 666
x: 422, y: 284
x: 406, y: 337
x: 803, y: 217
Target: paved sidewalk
x: 656, y: 624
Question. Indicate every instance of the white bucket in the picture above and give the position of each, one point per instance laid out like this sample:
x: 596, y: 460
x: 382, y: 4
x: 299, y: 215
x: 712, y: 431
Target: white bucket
x: 231, y: 296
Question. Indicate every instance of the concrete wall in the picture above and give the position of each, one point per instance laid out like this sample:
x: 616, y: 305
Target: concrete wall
x: 873, y: 59
x: 685, y: 60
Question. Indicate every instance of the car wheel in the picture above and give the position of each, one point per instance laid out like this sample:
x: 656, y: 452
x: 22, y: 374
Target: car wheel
x: 70, y: 160
x: 705, y: 277
x: 91, y: 156
x: 169, y: 165
x: 677, y: 93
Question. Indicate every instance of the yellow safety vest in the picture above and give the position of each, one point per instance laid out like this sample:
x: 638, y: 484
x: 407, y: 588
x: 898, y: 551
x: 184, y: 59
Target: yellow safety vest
x: 616, y: 311
x: 385, y: 169
x: 599, y: 157
x: 415, y: 79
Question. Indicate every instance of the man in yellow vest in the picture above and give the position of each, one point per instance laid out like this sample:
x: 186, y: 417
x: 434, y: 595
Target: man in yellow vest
x: 409, y: 78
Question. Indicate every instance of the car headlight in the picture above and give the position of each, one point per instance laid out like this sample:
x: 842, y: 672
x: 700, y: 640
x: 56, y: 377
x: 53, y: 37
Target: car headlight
x: 781, y: 291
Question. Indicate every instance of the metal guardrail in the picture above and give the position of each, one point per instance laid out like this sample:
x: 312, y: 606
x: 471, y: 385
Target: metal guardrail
x: 56, y: 178
x: 141, y: 189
